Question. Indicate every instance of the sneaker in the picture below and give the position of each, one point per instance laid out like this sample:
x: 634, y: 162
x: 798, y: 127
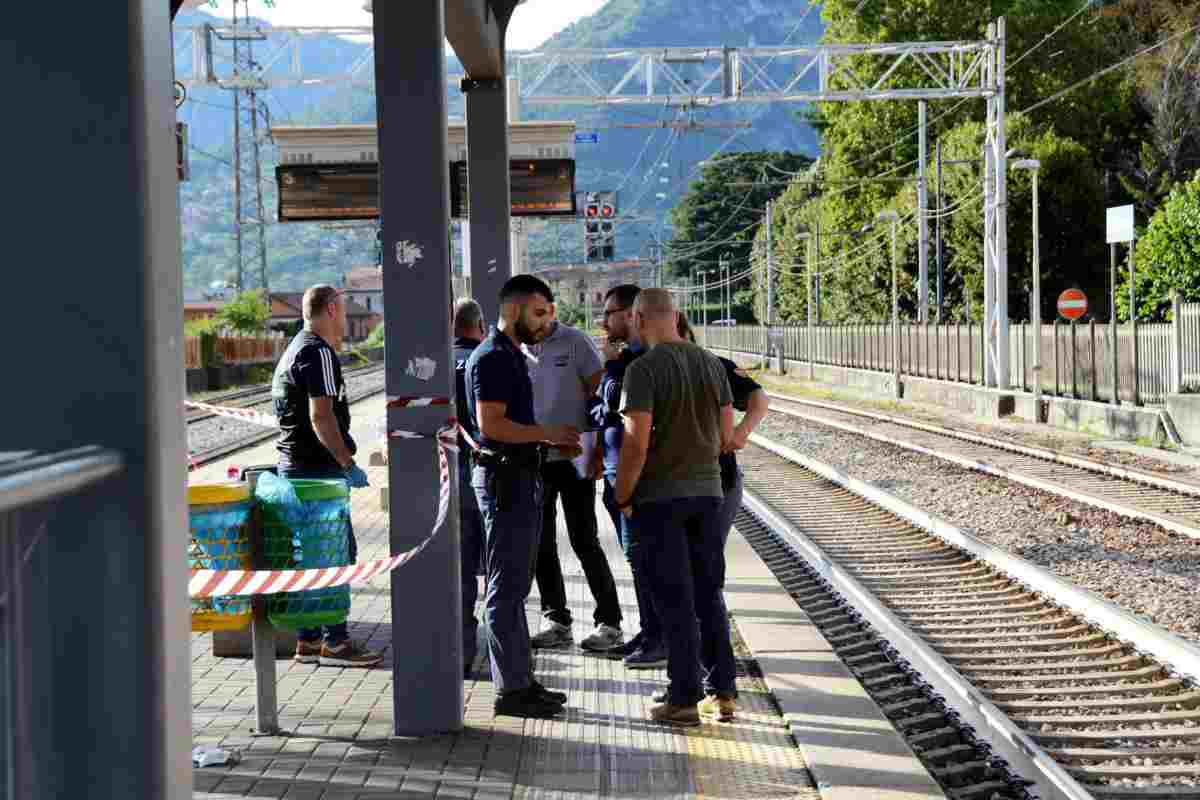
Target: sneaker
x: 527, y: 703
x: 308, y: 652
x: 685, y: 716
x: 603, y: 639
x: 549, y: 694
x: 660, y: 696
x: 629, y: 647
x: 647, y: 658
x: 555, y: 635
x: 721, y: 708
x: 349, y: 654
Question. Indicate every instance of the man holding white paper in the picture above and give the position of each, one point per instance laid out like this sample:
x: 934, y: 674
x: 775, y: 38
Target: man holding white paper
x: 565, y: 368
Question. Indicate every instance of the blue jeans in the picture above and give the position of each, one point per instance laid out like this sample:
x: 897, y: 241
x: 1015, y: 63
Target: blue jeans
x: 681, y: 544
x: 510, y: 551
x: 334, y: 634
x: 651, y: 630
x: 470, y: 527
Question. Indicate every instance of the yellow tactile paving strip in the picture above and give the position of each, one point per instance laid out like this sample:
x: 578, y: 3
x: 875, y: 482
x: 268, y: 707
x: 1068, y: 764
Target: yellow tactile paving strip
x: 604, y: 746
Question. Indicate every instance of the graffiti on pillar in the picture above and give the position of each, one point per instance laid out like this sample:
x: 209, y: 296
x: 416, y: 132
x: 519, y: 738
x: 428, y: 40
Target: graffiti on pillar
x: 421, y: 368
x: 408, y: 253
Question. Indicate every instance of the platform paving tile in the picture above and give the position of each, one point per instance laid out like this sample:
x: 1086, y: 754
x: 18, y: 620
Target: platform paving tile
x: 338, y: 743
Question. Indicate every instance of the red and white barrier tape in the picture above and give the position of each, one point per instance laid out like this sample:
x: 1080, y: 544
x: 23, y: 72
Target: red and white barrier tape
x: 417, y: 402
x: 244, y: 414
x: 236, y: 582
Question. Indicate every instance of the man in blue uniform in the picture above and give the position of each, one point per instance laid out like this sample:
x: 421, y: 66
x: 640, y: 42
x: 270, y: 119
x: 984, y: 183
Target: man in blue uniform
x: 508, y: 486
x: 315, y: 443
x: 468, y: 333
x: 645, y: 650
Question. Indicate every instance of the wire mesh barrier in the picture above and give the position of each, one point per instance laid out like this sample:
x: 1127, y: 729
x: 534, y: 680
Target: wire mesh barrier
x: 1072, y: 359
x: 34, y: 489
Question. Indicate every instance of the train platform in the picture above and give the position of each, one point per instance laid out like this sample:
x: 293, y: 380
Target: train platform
x: 338, y: 744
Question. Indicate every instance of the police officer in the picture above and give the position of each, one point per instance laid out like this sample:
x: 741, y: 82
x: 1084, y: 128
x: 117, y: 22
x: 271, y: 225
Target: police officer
x: 507, y: 482
x: 468, y: 333
x: 315, y: 443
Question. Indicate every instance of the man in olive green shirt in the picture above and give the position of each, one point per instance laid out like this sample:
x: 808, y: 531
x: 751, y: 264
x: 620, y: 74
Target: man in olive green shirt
x: 678, y: 412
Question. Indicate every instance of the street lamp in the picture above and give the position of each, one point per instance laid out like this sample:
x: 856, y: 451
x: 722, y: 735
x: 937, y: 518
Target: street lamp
x: 725, y: 262
x: 1035, y: 301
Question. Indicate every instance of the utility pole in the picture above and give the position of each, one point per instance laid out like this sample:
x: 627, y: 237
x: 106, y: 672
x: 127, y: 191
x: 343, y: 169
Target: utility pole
x: 816, y: 287
x: 770, y: 272
x: 922, y: 219
x: 941, y: 296
x: 249, y: 215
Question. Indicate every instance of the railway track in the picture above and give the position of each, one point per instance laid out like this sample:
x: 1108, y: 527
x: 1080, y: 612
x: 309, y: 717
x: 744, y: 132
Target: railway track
x: 996, y: 671
x: 255, y: 435
x: 1172, y: 503
x: 258, y: 395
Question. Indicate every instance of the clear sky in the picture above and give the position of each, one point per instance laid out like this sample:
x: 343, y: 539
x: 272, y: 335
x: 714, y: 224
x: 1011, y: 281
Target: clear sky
x: 532, y: 23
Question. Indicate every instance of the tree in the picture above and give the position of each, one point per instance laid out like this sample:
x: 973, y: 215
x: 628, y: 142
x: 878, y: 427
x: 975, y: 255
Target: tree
x: 1168, y: 256
x: 247, y: 313
x: 572, y: 314
x: 723, y: 210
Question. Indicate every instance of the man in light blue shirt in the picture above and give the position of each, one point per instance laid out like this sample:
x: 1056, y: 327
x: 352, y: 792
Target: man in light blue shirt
x: 565, y: 368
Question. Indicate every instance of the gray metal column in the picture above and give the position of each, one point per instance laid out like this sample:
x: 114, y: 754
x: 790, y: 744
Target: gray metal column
x: 922, y: 219
x: 487, y: 165
x: 107, y: 580
x: 426, y: 601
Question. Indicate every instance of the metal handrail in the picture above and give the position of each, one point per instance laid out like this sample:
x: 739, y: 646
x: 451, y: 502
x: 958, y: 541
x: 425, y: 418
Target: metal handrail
x: 34, y: 479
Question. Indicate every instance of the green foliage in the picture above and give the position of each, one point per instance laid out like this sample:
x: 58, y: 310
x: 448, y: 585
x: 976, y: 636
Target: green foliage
x: 722, y: 212
x: 572, y: 314
x: 1168, y: 257
x: 247, y: 313
x: 199, y: 327
x: 376, y: 338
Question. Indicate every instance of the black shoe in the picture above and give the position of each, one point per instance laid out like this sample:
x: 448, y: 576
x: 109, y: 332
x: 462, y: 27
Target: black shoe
x: 549, y: 694
x: 528, y: 703
x: 626, y: 649
x: 660, y: 696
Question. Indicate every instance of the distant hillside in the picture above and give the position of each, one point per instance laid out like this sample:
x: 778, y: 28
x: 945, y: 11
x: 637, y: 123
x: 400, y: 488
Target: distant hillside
x: 303, y: 254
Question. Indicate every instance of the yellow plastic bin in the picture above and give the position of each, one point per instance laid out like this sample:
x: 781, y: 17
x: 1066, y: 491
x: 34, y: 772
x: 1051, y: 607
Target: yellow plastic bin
x: 219, y: 518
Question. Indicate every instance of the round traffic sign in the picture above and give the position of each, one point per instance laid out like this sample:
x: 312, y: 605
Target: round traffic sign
x: 1072, y: 304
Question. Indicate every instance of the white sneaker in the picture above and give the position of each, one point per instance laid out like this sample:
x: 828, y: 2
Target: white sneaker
x: 604, y: 638
x: 555, y: 635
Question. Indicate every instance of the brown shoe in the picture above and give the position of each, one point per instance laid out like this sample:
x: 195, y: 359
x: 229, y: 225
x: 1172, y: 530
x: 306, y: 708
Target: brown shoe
x: 685, y: 716
x: 719, y: 708
x: 308, y: 652
x: 349, y: 654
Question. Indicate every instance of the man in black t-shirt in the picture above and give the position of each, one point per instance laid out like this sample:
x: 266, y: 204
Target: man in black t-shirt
x: 314, y: 417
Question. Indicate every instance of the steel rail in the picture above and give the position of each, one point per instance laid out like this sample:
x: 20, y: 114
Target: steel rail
x: 1056, y: 485
x: 930, y: 653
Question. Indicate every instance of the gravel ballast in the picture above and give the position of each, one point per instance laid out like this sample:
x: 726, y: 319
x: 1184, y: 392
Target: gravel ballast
x: 1137, y: 565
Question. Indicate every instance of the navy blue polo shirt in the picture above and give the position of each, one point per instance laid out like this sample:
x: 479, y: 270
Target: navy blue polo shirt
x: 606, y: 410
x: 463, y: 347
x: 498, y: 373
x: 741, y: 385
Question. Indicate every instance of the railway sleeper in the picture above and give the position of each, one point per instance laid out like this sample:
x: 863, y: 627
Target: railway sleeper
x: 1115, y: 735
x: 1032, y: 668
x: 988, y: 790
x: 1020, y: 622
x: 922, y: 723
x: 1051, y: 679
x: 1172, y: 684
x: 1186, y: 699
x: 1035, y: 612
x: 1043, y: 633
x: 1103, y: 754
x: 1067, y: 647
x: 1191, y: 715
x: 942, y: 756
x: 936, y: 740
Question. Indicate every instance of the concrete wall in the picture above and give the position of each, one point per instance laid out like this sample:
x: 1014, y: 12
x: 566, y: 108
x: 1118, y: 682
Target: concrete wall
x: 1184, y: 410
x: 200, y: 380
x: 1129, y: 423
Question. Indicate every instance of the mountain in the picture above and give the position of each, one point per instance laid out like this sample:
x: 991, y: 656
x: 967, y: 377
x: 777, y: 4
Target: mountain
x: 629, y: 159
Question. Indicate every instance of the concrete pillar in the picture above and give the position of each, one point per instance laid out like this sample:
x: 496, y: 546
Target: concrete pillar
x: 106, y: 580
x: 426, y: 601
x: 487, y: 168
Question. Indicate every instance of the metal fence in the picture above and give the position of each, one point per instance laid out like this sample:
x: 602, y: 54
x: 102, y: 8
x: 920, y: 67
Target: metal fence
x: 1077, y: 360
x: 29, y: 484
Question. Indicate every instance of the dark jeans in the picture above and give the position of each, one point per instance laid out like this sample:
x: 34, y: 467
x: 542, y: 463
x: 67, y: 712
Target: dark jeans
x: 729, y: 510
x: 334, y: 634
x: 651, y: 630
x: 470, y: 527
x: 685, y: 562
x: 510, y: 550
x: 579, y: 508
